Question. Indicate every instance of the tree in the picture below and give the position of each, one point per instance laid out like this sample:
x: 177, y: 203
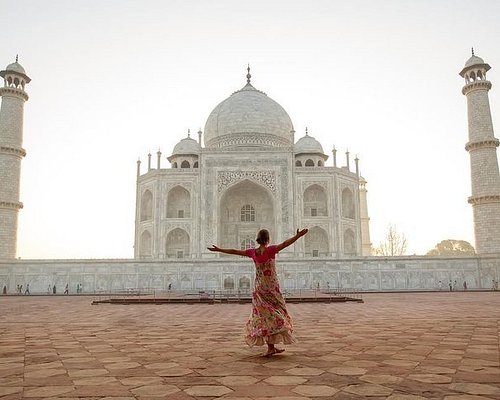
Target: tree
x: 452, y: 247
x: 395, y: 243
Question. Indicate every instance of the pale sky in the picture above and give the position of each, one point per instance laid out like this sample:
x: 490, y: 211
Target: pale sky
x: 113, y: 80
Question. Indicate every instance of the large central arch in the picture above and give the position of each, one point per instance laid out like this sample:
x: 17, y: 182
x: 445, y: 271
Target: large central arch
x: 245, y: 208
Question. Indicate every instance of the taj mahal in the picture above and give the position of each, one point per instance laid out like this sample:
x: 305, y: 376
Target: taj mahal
x: 250, y: 175
x: 245, y: 171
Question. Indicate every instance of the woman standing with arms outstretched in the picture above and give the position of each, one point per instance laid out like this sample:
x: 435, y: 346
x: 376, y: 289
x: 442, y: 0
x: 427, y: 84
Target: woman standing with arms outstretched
x: 269, y: 322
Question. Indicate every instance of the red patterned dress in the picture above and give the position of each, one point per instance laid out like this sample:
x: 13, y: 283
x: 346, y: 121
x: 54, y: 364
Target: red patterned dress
x: 269, y: 321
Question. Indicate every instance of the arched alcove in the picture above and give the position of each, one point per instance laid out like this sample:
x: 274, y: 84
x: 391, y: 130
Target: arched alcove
x: 347, y: 203
x: 185, y: 164
x: 232, y: 230
x: 145, y: 245
x: 177, y: 244
x: 349, y: 242
x: 146, y: 206
x: 315, y: 203
x: 244, y: 282
x: 316, y: 243
x: 178, y: 203
x: 309, y: 163
x: 298, y: 163
x: 228, y: 283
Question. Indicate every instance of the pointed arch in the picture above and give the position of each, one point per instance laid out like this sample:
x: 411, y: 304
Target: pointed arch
x: 316, y: 242
x: 298, y: 163
x: 309, y: 163
x: 185, y: 164
x: 244, y: 282
x: 228, y: 283
x: 347, y: 203
x: 146, y: 206
x: 315, y: 201
x: 177, y: 244
x: 232, y: 230
x: 145, y: 245
x: 349, y: 242
x: 178, y: 203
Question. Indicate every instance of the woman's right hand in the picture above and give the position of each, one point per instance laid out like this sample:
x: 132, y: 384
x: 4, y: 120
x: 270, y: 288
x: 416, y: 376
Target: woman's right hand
x: 213, y: 248
x: 302, y: 232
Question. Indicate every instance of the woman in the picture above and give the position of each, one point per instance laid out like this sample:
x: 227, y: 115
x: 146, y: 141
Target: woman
x: 269, y: 322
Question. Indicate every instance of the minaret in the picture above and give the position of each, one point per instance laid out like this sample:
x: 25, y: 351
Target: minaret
x: 366, y: 245
x: 485, y: 178
x: 11, y: 154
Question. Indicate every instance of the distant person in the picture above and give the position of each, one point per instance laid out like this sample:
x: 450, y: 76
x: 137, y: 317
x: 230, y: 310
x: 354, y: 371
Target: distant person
x: 465, y: 285
x: 49, y: 289
x: 5, y: 289
x: 169, y: 287
x: 54, y: 289
x: 27, y: 291
x: 440, y: 285
x: 455, y: 284
x: 450, y: 285
x: 269, y: 321
x: 66, y: 289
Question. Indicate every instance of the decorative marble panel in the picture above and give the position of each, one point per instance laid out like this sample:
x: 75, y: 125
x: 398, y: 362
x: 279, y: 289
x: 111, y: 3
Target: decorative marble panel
x: 227, y: 178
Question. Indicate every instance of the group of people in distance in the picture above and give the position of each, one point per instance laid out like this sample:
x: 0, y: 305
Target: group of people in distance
x: 269, y: 322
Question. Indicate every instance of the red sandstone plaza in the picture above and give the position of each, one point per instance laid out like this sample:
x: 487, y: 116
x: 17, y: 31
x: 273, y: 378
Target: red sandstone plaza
x: 398, y: 346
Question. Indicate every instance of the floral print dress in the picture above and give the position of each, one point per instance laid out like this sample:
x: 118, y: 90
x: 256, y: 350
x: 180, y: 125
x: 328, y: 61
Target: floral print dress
x: 269, y: 321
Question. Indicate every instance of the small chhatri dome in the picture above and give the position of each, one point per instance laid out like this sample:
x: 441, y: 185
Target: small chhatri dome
x: 248, y: 118
x: 186, y: 146
x: 308, y: 145
x: 474, y: 60
x: 16, y: 68
x: 472, y: 63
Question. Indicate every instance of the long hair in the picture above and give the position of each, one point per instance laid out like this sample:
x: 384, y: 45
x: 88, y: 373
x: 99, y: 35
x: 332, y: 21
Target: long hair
x: 263, y: 237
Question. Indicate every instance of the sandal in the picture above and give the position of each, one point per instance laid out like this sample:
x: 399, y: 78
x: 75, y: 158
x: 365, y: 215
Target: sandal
x: 273, y: 351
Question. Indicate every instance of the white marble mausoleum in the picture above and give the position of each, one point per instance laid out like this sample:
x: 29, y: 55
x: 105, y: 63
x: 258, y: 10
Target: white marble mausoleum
x: 246, y: 172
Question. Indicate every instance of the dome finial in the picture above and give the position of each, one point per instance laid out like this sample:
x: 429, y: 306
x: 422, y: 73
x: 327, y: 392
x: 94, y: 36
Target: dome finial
x: 472, y: 50
x: 189, y: 133
x: 307, y: 134
x: 17, y: 57
x: 248, y: 73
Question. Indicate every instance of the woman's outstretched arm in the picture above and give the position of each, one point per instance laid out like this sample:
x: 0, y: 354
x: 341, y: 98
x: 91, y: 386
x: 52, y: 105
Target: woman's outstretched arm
x: 227, y: 251
x: 291, y: 240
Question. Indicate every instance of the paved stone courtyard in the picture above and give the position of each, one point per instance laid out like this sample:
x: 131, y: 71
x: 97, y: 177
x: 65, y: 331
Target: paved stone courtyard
x: 398, y: 346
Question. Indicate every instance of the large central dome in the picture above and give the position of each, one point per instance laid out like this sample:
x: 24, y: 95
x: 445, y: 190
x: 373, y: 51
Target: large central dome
x: 248, y: 118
